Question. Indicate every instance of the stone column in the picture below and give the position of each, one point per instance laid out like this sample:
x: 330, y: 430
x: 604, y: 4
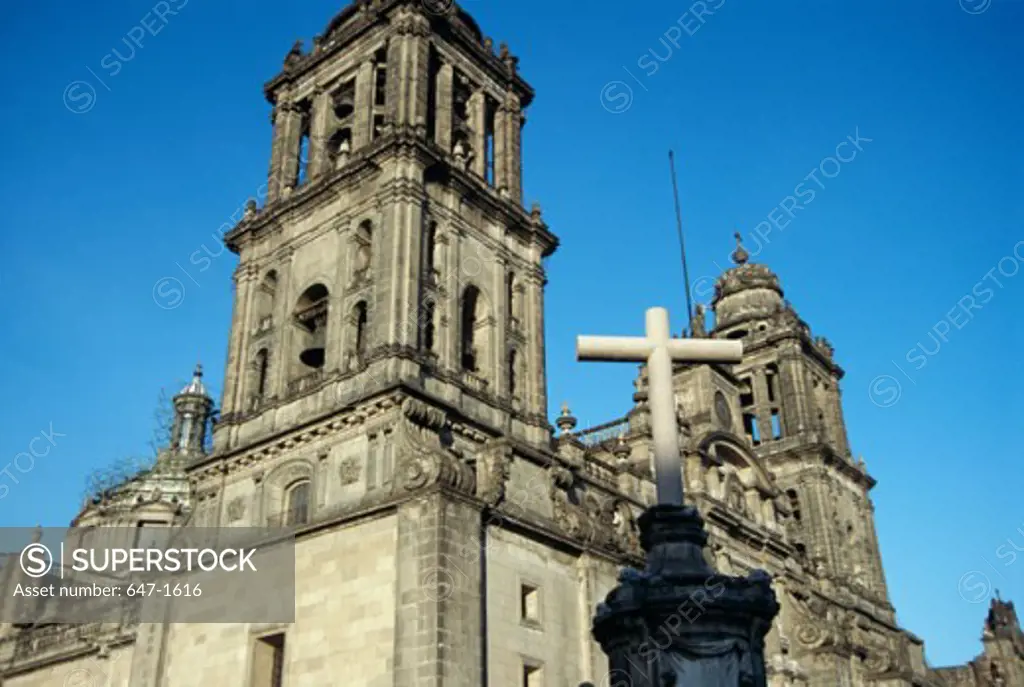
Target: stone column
x: 838, y: 425
x: 274, y: 174
x: 291, y: 142
x: 761, y: 404
x: 678, y: 623
x: 793, y: 393
x: 500, y: 148
x: 514, y: 123
x: 234, y: 377
x: 477, y: 107
x: 363, y: 116
x: 534, y: 328
x: 282, y: 328
x: 443, y: 107
x: 418, y: 75
x: 320, y: 119
x: 395, y: 79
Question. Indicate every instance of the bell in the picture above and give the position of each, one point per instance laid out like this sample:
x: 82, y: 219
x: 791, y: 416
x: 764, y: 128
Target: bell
x: 313, y: 355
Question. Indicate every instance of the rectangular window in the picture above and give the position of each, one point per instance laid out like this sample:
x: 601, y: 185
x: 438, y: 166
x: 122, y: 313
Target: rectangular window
x: 776, y: 425
x: 151, y: 535
x: 268, y: 661
x: 750, y: 425
x: 529, y: 604
x: 380, y: 90
x: 532, y: 675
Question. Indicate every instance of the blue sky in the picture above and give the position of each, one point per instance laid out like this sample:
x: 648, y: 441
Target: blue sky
x: 100, y: 205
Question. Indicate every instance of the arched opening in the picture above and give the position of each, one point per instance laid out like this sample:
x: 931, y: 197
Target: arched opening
x: 428, y: 328
x: 468, y: 324
x: 363, y: 249
x: 297, y: 504
x: 429, y: 250
x: 311, y: 321
x: 262, y: 368
x: 266, y: 295
x: 358, y: 337
x: 513, y: 376
x: 512, y: 297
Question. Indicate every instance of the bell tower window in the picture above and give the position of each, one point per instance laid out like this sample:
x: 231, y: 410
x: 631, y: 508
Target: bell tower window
x: 361, y: 318
x: 266, y: 295
x: 262, y: 367
x: 469, y: 352
x: 311, y: 323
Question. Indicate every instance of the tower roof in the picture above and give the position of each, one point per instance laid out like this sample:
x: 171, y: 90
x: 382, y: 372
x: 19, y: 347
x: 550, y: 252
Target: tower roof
x: 747, y: 291
x: 196, y: 386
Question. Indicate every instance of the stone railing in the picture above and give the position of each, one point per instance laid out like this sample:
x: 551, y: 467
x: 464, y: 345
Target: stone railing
x: 474, y: 382
x: 305, y: 382
x: 595, y: 436
x: 33, y: 642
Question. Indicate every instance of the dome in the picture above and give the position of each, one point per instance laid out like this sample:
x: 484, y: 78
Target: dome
x: 196, y: 386
x: 745, y: 292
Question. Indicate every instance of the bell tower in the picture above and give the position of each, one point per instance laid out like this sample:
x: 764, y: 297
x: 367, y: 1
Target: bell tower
x: 393, y: 248
x: 791, y: 412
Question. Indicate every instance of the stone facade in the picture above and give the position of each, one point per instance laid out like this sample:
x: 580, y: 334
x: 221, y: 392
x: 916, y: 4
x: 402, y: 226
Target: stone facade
x: 385, y: 398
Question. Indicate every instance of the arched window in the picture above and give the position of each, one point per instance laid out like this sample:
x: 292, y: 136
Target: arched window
x: 360, y: 318
x: 311, y: 318
x: 266, y: 294
x: 510, y: 297
x: 297, y: 504
x: 428, y: 325
x: 429, y: 250
x: 262, y: 367
x: 364, y: 249
x: 469, y: 320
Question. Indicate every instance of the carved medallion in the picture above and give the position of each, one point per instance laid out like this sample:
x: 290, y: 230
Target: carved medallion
x: 236, y: 509
x: 349, y: 471
x: 722, y: 411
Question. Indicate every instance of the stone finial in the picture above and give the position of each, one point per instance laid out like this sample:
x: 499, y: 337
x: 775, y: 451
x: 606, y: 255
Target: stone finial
x: 622, y: 450
x: 535, y: 212
x: 566, y: 422
x: 489, y: 45
x: 698, y: 325
x: 740, y: 255
x: 294, y: 55
x: 37, y: 534
x: 250, y: 209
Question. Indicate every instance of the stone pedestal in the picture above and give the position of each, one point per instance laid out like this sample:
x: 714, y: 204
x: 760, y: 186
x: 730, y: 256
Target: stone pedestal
x: 678, y: 622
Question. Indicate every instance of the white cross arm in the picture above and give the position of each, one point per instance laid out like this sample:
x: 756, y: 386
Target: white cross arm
x: 638, y: 349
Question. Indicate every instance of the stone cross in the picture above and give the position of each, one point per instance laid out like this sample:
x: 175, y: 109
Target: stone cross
x: 658, y: 350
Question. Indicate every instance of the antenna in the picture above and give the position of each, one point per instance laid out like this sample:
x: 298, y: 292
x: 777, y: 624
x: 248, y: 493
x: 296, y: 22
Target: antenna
x: 682, y: 243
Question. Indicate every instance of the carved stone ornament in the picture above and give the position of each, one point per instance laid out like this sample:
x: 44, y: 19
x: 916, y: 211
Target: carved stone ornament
x: 350, y: 470
x: 236, y: 509
x: 425, y: 461
x: 493, y: 471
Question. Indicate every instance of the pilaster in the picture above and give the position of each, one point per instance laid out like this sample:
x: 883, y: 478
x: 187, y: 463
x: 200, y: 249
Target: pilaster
x: 320, y: 119
x: 501, y: 149
x: 477, y: 107
x: 234, y: 377
x: 440, y: 584
x: 361, y: 131
x: 443, y: 108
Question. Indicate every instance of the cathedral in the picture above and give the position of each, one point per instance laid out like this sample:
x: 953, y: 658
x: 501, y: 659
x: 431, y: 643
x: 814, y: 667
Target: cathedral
x: 385, y: 398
